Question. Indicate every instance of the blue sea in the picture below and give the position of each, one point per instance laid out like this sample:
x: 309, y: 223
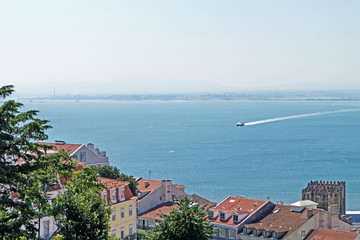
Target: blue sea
x: 197, y: 144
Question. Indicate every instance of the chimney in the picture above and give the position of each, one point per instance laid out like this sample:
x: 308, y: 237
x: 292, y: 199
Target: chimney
x: 59, y: 142
x: 102, y: 154
x: 310, y: 213
x: 146, y: 184
x: 97, y: 151
x: 90, y: 146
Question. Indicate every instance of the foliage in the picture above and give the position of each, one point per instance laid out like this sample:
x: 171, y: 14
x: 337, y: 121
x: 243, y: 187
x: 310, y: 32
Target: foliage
x: 23, y: 186
x: 114, y: 173
x: 107, y: 171
x: 80, y: 212
x: 187, y: 221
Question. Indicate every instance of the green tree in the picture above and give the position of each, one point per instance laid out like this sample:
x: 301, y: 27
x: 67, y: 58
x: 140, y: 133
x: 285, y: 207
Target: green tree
x: 26, y: 173
x: 187, y: 221
x: 80, y: 212
x: 114, y: 173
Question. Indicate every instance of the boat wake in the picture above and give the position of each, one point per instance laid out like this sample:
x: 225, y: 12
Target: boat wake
x: 298, y: 116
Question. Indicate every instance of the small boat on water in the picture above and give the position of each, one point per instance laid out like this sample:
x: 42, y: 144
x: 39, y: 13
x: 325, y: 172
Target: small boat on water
x: 240, y: 124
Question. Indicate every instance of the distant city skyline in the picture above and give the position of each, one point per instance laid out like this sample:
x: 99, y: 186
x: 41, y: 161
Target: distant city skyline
x: 125, y: 47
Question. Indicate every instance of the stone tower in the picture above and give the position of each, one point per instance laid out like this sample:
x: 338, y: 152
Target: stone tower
x: 326, y: 194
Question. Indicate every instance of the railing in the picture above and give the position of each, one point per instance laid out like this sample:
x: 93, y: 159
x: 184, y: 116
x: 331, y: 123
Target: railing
x: 142, y: 227
x: 130, y: 237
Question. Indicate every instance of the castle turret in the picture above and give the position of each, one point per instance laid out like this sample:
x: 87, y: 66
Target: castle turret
x: 326, y: 194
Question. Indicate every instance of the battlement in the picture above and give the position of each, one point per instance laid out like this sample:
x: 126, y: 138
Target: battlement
x: 322, y: 186
x: 326, y: 193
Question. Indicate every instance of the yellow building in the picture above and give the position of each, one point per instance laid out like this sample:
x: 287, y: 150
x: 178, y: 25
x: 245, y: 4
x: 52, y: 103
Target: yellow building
x: 123, y: 206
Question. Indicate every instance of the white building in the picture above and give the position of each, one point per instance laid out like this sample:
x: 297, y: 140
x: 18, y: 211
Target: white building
x: 87, y: 154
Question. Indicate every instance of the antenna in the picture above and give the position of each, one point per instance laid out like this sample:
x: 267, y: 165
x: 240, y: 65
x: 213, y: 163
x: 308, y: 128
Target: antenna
x: 149, y: 174
x: 268, y: 198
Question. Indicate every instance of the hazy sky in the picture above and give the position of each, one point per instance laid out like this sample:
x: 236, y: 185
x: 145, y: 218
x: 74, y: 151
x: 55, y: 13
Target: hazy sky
x: 113, y: 46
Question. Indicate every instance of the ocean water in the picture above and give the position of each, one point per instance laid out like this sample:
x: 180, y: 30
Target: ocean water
x: 197, y: 144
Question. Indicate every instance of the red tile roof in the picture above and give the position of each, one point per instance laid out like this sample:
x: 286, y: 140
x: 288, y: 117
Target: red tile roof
x: 154, y: 213
x: 70, y: 148
x: 112, y: 183
x: 282, y: 219
x: 238, y: 205
x: 328, y: 234
x: 153, y: 184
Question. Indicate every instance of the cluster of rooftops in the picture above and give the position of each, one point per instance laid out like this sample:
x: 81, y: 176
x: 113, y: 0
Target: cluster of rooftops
x: 248, y: 217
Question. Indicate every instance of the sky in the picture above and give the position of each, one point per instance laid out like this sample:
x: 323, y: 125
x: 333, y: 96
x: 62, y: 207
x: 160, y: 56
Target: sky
x: 126, y: 47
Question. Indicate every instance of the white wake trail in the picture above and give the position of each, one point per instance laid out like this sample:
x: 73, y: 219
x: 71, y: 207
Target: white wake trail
x: 299, y: 116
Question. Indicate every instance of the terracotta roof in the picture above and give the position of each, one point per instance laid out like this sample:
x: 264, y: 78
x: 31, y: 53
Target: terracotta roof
x: 112, y: 183
x: 238, y: 205
x: 70, y: 148
x: 153, y: 184
x: 282, y: 219
x: 328, y: 234
x: 202, y: 201
x: 154, y: 213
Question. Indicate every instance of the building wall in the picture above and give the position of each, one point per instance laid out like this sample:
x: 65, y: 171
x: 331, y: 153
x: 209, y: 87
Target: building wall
x: 326, y: 194
x: 126, y: 221
x: 255, y: 217
x: 160, y: 195
x: 92, y: 158
x: 303, y: 230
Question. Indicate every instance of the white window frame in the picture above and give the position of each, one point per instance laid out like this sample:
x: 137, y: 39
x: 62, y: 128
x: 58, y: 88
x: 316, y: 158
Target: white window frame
x: 222, y: 232
x: 222, y: 214
x: 130, y: 210
x: 113, y: 195
x: 113, y: 216
x: 83, y: 156
x: 113, y: 232
x: 130, y: 229
x: 122, y: 212
x: 122, y: 233
x: 235, y: 216
x: 122, y: 194
x: 232, y: 231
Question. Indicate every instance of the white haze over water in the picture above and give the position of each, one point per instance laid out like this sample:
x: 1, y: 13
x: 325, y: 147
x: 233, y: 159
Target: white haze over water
x: 298, y: 116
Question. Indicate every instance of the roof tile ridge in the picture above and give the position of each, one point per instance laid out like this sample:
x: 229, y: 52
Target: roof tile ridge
x: 222, y: 201
x: 149, y: 193
x: 251, y: 213
x: 78, y: 149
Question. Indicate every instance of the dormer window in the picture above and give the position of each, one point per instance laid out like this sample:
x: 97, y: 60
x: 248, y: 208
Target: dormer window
x: 122, y: 194
x: 211, y: 214
x: 235, y: 218
x: 222, y: 216
x: 113, y: 195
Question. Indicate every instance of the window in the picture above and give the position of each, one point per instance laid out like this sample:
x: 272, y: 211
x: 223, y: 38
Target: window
x: 83, y: 156
x: 122, y: 194
x: 113, y: 233
x: 130, y: 210
x: 122, y: 214
x: 113, y: 216
x: 232, y: 234
x: 222, y: 232
x: 46, y: 228
x: 211, y: 214
x: 222, y: 216
x: 130, y: 229
x: 105, y: 196
x: 303, y: 233
x: 122, y: 234
x: 113, y: 195
x: 235, y: 218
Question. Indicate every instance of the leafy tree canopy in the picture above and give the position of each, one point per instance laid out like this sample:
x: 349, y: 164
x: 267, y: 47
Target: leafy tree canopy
x: 187, y: 221
x: 80, y: 212
x: 26, y: 173
x: 114, y: 173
